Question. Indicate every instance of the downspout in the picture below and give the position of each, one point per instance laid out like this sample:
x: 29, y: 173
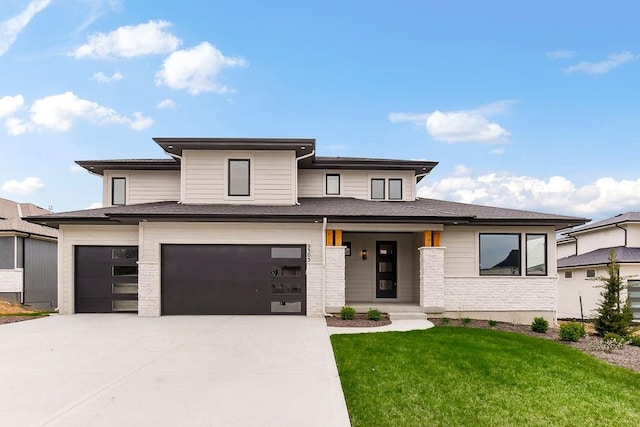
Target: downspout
x: 324, y: 263
x: 305, y: 156
x: 617, y: 224
x: 576, y: 240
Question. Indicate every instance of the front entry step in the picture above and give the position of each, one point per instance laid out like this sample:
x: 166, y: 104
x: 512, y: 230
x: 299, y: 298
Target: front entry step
x: 407, y: 316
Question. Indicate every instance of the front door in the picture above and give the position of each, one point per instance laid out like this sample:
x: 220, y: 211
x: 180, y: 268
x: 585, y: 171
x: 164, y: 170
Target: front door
x: 386, y: 271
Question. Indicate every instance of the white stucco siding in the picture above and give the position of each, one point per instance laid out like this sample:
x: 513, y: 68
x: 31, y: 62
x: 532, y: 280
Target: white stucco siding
x: 85, y: 235
x: 11, y: 280
x: 353, y: 183
x: 570, y: 290
x: 565, y: 249
x: 272, y: 177
x: 601, y: 238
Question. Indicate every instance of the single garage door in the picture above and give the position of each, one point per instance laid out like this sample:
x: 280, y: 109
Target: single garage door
x: 106, y: 279
x: 233, y: 279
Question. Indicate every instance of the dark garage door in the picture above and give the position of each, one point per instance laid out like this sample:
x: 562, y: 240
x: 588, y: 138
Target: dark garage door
x: 106, y: 279
x: 233, y: 279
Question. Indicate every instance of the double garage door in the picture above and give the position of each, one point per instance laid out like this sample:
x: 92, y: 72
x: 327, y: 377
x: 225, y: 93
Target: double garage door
x: 197, y: 279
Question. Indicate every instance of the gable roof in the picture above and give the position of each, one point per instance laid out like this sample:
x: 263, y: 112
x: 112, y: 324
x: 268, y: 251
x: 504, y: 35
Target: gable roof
x: 600, y: 257
x: 11, y: 214
x: 336, y: 209
x: 618, y: 219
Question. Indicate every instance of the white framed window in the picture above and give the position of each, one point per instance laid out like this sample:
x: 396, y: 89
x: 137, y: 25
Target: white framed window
x: 500, y: 254
x: 536, y: 254
x: 395, y: 189
x: 377, y: 189
x: 568, y: 274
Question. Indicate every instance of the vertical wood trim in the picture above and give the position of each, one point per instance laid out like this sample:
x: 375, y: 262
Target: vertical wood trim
x: 426, y: 241
x: 338, y: 237
x: 329, y: 237
x: 436, y: 238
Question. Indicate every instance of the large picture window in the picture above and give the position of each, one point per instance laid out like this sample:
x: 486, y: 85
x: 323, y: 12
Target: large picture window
x: 118, y: 191
x: 332, y: 184
x: 536, y: 254
x: 239, y: 177
x: 500, y: 255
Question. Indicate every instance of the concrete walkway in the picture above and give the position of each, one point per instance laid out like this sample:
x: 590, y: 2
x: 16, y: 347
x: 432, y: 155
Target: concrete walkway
x: 124, y: 370
x: 397, y: 325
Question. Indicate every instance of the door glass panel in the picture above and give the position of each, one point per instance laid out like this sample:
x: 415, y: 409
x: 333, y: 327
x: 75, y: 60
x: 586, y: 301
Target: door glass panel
x: 385, y: 267
x: 124, y: 253
x: 286, y: 307
x: 286, y: 253
x: 125, y: 270
x: 386, y: 250
x: 385, y: 285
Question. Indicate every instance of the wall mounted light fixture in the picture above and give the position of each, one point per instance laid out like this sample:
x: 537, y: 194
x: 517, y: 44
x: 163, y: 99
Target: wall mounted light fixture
x: 364, y: 254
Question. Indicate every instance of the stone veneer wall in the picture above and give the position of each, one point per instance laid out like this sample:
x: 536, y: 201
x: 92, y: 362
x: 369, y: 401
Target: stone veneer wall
x: 335, y: 277
x: 432, y: 278
x: 148, y: 289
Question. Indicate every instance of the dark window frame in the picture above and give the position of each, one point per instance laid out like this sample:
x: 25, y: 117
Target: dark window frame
x: 384, y: 192
x: 519, y: 274
x: 248, y: 161
x: 124, y: 190
x: 546, y: 263
x: 326, y: 184
x: 594, y: 273
x: 395, y: 180
x: 568, y: 274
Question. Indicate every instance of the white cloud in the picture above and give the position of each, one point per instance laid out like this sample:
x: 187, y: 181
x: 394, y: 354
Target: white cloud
x: 416, y: 118
x: 94, y: 205
x: 561, y: 54
x: 59, y: 112
x: 27, y: 186
x: 10, y: 28
x: 16, y: 126
x: 613, y: 61
x: 101, y: 77
x: 10, y: 104
x: 554, y: 194
x: 461, y: 125
x: 130, y: 41
x: 140, y: 122
x: 166, y: 104
x: 498, y: 151
x: 196, y: 69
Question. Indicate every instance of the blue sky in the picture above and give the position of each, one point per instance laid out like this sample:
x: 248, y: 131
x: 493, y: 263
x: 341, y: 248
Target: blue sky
x: 529, y: 105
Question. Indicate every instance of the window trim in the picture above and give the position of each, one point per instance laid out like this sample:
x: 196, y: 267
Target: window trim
x: 326, y: 184
x: 526, y: 259
x: 587, y: 273
x: 480, y: 254
x: 124, y: 191
x: 384, y: 193
x: 568, y: 274
x: 389, y: 195
x: 248, y: 161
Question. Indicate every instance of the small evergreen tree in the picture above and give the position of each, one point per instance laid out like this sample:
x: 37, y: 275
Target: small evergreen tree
x: 614, y: 314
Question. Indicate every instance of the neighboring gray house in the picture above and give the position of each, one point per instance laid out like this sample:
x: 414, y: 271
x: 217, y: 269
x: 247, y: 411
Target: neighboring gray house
x: 583, y: 255
x: 28, y: 257
x: 264, y: 226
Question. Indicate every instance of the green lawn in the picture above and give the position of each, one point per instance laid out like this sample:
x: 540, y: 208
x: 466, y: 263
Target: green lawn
x: 453, y: 376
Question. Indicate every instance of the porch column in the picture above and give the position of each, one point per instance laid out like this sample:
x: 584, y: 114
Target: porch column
x: 432, y: 278
x: 334, y: 277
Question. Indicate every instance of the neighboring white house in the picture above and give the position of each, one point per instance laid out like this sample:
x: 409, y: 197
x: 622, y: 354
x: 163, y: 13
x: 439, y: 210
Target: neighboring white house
x: 583, y: 255
x: 264, y: 226
x: 28, y: 257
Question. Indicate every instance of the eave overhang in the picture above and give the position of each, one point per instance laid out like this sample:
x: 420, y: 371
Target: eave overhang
x: 175, y: 146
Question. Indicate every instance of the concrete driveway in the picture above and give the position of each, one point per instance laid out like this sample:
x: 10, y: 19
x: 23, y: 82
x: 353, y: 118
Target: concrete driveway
x: 121, y: 369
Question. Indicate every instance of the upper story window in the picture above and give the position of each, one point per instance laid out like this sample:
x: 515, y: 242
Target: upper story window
x: 118, y: 191
x: 332, y: 184
x: 239, y: 177
x: 395, y: 189
x: 536, y: 254
x: 377, y: 189
x: 591, y: 274
x: 499, y: 254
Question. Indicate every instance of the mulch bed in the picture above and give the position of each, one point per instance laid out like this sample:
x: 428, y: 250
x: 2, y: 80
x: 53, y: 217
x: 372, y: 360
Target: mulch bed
x: 13, y: 319
x: 360, y: 321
